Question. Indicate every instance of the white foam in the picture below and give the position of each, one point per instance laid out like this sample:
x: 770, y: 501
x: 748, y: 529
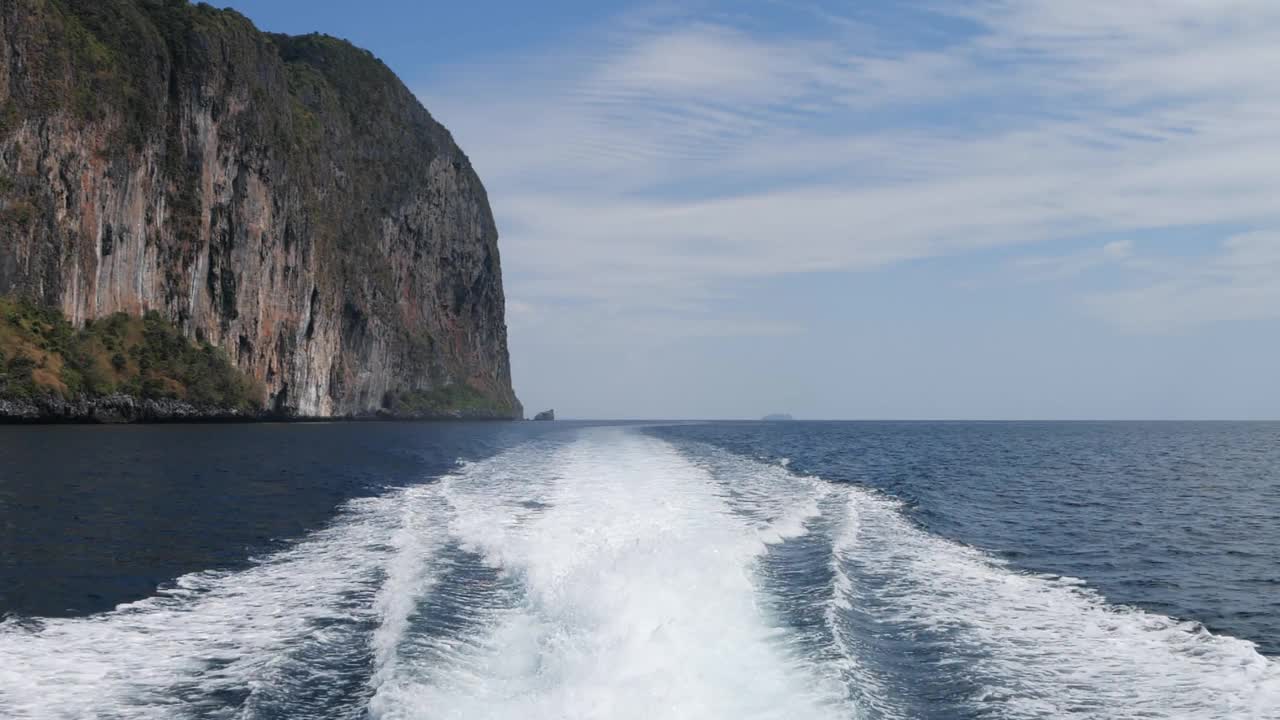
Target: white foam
x: 1041, y: 646
x: 869, y: 691
x: 639, y: 601
x: 165, y: 656
x: 498, y: 495
x: 777, y: 503
x: 409, y: 575
x: 613, y: 577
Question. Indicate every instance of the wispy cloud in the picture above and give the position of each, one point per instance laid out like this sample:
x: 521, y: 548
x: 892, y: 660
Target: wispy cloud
x: 1239, y: 282
x: 680, y: 155
x: 1062, y: 267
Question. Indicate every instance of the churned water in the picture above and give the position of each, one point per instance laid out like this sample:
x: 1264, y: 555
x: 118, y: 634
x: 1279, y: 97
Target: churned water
x: 725, y: 570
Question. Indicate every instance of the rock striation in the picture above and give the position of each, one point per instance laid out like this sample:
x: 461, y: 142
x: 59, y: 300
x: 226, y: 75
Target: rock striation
x: 285, y: 199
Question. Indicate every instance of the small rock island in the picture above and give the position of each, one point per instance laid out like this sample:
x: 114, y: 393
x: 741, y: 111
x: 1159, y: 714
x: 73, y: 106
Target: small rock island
x: 545, y: 416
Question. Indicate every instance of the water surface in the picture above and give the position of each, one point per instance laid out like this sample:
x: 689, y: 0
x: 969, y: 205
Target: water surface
x: 725, y: 570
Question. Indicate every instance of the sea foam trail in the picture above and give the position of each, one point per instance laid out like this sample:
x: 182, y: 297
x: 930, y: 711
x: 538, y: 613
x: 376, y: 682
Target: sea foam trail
x: 433, y: 603
x: 637, y: 599
x: 1031, y: 646
x: 288, y: 637
x: 798, y: 515
x: 615, y: 575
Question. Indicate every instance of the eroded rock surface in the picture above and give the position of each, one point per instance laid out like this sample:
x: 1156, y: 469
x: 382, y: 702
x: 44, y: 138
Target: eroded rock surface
x: 285, y: 198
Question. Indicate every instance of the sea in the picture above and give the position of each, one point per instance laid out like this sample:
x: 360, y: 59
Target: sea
x: 787, y: 570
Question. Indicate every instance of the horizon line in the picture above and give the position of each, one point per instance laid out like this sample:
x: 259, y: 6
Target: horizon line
x: 923, y: 420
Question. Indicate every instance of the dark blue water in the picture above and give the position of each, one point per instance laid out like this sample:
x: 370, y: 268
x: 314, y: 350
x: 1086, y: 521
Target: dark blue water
x: 799, y: 570
x: 91, y: 517
x: 1179, y: 518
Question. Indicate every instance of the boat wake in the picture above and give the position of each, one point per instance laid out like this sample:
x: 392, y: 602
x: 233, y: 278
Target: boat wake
x: 618, y: 575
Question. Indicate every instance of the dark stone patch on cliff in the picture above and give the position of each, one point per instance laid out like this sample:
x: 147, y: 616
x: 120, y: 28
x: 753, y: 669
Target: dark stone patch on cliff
x: 286, y: 199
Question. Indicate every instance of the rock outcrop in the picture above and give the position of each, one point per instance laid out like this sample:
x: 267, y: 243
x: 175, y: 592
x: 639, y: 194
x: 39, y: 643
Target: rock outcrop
x: 116, y: 408
x: 545, y: 415
x: 286, y: 199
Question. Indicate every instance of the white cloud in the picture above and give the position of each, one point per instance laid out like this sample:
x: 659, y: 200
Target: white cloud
x: 675, y: 159
x: 1240, y: 282
x: 1118, y: 250
x: 1072, y: 265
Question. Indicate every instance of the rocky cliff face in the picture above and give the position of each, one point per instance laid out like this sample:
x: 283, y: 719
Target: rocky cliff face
x: 284, y: 198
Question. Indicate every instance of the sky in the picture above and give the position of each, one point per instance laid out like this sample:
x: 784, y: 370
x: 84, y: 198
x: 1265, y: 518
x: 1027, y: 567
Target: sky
x: 872, y: 209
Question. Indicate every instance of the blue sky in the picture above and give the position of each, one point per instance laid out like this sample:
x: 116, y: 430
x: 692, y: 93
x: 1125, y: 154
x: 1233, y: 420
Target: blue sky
x: 909, y: 209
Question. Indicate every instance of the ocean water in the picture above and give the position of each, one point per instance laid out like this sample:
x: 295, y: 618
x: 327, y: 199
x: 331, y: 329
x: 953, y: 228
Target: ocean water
x: 711, y: 570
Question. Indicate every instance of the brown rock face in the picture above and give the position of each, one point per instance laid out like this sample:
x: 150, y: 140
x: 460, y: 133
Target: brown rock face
x: 285, y: 198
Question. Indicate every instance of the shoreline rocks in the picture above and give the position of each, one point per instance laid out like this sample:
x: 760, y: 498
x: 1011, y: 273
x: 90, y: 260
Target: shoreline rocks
x: 127, y: 410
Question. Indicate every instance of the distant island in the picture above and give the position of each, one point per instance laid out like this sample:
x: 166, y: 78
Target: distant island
x: 777, y: 417
x: 545, y: 415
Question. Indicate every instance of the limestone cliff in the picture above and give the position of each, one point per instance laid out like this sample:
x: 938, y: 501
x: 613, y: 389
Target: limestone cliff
x: 284, y: 198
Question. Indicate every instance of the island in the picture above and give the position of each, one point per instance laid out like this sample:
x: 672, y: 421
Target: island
x: 200, y: 220
x: 545, y: 415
